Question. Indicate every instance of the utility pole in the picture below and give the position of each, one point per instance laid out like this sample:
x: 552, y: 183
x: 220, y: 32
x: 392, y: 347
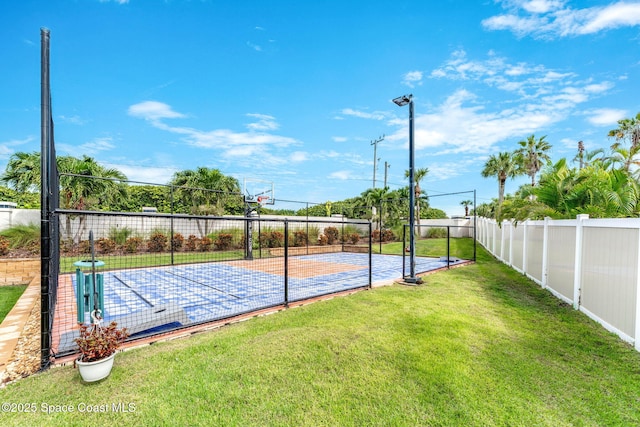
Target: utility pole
x: 386, y: 168
x: 375, y: 157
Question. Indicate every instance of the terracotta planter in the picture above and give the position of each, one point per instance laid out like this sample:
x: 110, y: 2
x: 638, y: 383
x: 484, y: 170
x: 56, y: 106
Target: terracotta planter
x: 95, y: 371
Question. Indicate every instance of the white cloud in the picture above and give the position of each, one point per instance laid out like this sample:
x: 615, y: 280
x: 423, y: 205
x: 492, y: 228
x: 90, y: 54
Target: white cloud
x: 6, y: 147
x: 90, y: 148
x: 5, y: 151
x: 153, y: 110
x: 550, y: 19
x: 605, y: 116
x: 617, y: 15
x: 144, y: 173
x: 76, y: 120
x: 255, y: 47
x: 298, y: 156
x: 253, y: 145
x: 535, y: 98
x: 529, y: 81
x: 341, y: 175
x: 330, y: 154
x: 412, y: 78
x: 376, y: 115
x: 339, y: 138
x: 264, y: 122
x: 541, y: 6
x: 115, y: 1
x: 447, y: 170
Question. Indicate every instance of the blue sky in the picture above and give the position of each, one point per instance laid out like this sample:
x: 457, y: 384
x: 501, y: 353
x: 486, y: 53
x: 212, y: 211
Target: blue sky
x: 295, y: 91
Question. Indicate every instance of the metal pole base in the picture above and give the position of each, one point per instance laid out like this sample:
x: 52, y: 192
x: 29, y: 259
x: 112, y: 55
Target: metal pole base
x: 412, y: 281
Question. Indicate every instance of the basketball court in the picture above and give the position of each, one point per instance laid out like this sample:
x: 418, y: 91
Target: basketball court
x: 181, y: 295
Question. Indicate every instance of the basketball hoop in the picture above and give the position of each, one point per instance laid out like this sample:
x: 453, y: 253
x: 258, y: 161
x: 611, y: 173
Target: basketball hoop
x: 258, y: 191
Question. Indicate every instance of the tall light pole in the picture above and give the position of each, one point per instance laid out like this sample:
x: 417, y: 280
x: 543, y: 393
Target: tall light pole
x: 401, y: 101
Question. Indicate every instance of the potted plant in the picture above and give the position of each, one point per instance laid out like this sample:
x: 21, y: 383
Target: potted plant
x: 98, y: 345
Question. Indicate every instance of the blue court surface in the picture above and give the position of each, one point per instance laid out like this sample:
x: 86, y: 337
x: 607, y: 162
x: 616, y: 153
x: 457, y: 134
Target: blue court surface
x: 210, y: 291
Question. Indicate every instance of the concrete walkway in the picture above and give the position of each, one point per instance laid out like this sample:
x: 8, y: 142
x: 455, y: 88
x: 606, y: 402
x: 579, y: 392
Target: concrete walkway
x: 13, y: 325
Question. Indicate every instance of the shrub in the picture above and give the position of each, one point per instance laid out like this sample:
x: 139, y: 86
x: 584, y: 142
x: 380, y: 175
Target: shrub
x: 22, y: 236
x: 272, y: 239
x: 177, y: 241
x: 157, y: 242
x: 224, y: 241
x: 204, y: 244
x: 352, y: 238
x: 84, y: 247
x: 349, y: 229
x: 120, y: 235
x: 263, y: 238
x: 383, y: 236
x: 192, y: 243
x: 322, y: 240
x: 436, y: 233
x: 276, y: 240
x: 332, y: 235
x: 4, y: 245
x: 300, y: 238
x: 104, y: 245
x: 388, y: 236
x: 132, y: 245
x: 314, y: 233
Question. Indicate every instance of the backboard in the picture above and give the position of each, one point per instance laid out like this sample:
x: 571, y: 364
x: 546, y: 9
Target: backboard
x: 258, y: 191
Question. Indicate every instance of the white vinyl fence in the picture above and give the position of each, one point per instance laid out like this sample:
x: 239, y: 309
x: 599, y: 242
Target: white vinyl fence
x: 592, y: 264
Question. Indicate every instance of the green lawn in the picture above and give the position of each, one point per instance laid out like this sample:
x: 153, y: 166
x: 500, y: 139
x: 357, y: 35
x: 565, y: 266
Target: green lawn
x: 8, y: 297
x: 151, y: 259
x: 474, y: 346
x: 458, y: 247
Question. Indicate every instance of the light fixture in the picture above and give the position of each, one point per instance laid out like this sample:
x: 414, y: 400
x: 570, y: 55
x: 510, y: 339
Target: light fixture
x: 401, y: 101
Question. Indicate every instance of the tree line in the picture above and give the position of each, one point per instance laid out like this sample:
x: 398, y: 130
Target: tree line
x: 85, y: 184
x: 603, y: 183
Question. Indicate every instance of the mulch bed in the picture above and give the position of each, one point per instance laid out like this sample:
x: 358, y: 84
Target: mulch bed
x: 25, y: 359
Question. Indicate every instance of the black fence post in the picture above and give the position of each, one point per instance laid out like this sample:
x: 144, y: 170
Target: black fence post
x: 370, y: 255
x: 404, y: 245
x: 448, y: 247
x: 259, y: 240
x: 307, y: 228
x: 286, y: 262
x: 46, y: 162
x: 172, y: 248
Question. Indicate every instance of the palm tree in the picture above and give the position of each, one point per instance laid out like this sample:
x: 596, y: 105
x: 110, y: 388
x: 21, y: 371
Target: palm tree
x: 565, y: 192
x: 206, y: 190
x: 466, y: 204
x: 23, y: 172
x: 374, y: 197
x: 503, y: 166
x: 88, y: 185
x: 418, y: 175
x: 627, y: 129
x: 532, y: 155
x: 624, y: 157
